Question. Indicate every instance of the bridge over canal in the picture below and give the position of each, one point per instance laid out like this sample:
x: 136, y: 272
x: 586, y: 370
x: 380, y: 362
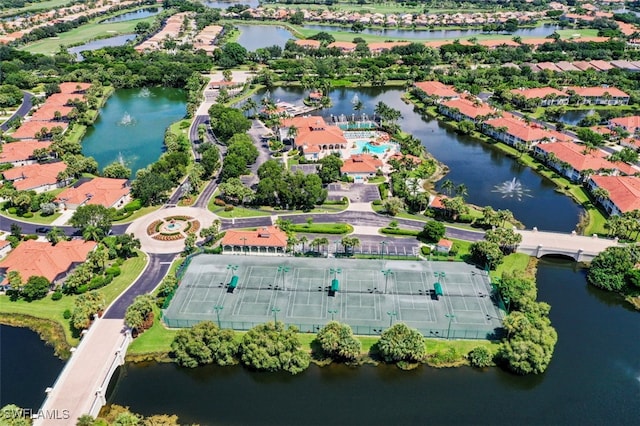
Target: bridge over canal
x: 579, y: 248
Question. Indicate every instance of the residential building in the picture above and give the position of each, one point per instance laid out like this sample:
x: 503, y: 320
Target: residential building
x: 600, y: 95
x: 36, y: 177
x: 360, y: 167
x: 465, y: 109
x: 573, y: 161
x: 434, y: 89
x: 21, y: 153
x: 630, y: 124
x: 266, y: 240
x: 514, y: 131
x: 314, y: 137
x: 101, y: 191
x: 37, y: 258
x: 308, y: 44
x: 5, y: 248
x: 343, y: 46
x: 546, y: 95
x: 444, y: 246
x: 34, y: 129
x: 624, y: 193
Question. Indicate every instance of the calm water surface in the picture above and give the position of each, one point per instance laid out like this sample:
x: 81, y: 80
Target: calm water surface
x: 136, y: 14
x: 593, y: 379
x: 225, y: 4
x: 131, y: 126
x: 27, y: 367
x: 472, y: 162
x: 541, y: 31
x: 254, y: 37
x: 119, y: 40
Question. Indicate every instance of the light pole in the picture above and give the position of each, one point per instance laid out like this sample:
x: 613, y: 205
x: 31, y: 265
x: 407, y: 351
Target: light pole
x: 333, y: 312
x: 284, y: 269
x: 336, y: 242
x: 275, y: 314
x: 386, y: 273
x: 244, y: 245
x: 391, y: 315
x: 382, y: 246
x: 451, y: 317
x: 233, y: 268
x: 335, y: 271
x: 218, y: 308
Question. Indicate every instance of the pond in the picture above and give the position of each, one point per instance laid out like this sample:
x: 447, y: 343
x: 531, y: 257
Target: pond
x: 119, y: 40
x: 479, y: 166
x: 574, y: 117
x: 594, y: 378
x: 131, y: 126
x: 136, y: 14
x: 27, y: 367
x: 222, y: 4
x: 254, y: 37
x: 541, y: 31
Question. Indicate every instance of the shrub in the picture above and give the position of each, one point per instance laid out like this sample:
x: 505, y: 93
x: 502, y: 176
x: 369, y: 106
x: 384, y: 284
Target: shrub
x: 465, y: 218
x: 57, y: 295
x: 228, y: 208
x: 480, y: 357
x: 12, y: 210
x: 337, y: 341
x: 425, y: 250
x: 377, y: 202
x: 384, y: 190
x: 185, y: 124
x: 133, y: 206
x: 30, y: 237
x: 219, y: 202
x: 395, y: 231
x: 27, y: 215
x: 401, y: 343
x: 66, y: 314
x: 96, y: 282
x: 113, y: 271
x: 82, y: 289
x: 203, y: 344
x: 272, y: 347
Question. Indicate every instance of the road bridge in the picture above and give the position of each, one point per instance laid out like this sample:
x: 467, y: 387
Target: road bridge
x: 579, y: 248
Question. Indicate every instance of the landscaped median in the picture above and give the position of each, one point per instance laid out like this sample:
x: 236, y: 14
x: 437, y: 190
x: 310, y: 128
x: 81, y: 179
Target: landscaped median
x: 46, y: 316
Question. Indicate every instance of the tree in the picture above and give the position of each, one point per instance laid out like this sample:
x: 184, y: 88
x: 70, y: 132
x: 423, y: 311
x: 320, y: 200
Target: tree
x: 349, y: 244
x: 337, y: 342
x: 487, y: 254
x: 507, y: 239
x: 516, y: 290
x: 36, y: 288
x: 330, y: 168
x: 226, y: 122
x: 480, y: 357
x: 211, y: 233
x: 203, y: 344
x: 92, y: 216
x: 12, y: 415
x: 609, y: 268
x: 447, y: 187
x: 150, y: 187
x: 392, y: 205
x: 85, y: 306
x: 55, y: 235
x: 234, y: 191
x: 272, y: 347
x: 433, y: 231
x: 210, y: 159
x: 116, y: 170
x: 401, y: 344
x: 139, y: 315
x: 231, y: 55
x: 126, y: 245
x: 466, y: 127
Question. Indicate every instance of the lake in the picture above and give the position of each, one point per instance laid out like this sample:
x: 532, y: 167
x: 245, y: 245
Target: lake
x: 221, y: 4
x: 136, y: 14
x: 131, y: 126
x: 541, y: 31
x: 254, y: 37
x: 472, y: 162
x: 119, y: 40
x: 594, y: 378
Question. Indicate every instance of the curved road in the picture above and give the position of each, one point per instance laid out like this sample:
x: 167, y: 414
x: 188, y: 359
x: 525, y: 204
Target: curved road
x: 21, y: 112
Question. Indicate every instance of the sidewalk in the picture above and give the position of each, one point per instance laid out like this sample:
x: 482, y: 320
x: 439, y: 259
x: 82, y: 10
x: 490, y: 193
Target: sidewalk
x: 63, y: 219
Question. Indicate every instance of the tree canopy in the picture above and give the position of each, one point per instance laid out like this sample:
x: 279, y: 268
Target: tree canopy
x: 203, y: 344
x: 337, y: 342
x: 399, y: 343
x: 272, y: 347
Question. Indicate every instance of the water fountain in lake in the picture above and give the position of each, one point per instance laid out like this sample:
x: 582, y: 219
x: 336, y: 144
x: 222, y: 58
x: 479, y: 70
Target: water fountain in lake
x: 127, y: 120
x: 144, y: 93
x: 512, y: 189
x: 355, y: 99
x: 120, y: 158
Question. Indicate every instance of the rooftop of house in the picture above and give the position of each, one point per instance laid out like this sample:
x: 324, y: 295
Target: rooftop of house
x: 538, y: 92
x: 47, y: 112
x: 576, y: 156
x: 624, y: 191
x: 469, y: 108
x: 519, y: 129
x: 435, y: 88
x: 29, y: 129
x: 102, y: 191
x: 361, y: 163
x: 597, y: 91
x: 34, y: 175
x: 37, y: 258
x: 631, y: 122
x: 269, y: 236
x: 20, y: 151
x: 313, y: 130
x: 74, y: 87
x: 445, y: 243
x: 308, y: 43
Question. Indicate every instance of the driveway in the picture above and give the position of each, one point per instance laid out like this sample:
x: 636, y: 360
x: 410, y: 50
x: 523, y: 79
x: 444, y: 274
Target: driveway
x: 355, y: 192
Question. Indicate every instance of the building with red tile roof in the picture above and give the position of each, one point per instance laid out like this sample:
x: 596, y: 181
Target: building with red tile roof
x: 74, y: 87
x: 547, y: 95
x: 102, y: 191
x: 601, y: 65
x: 583, y: 65
x: 267, y: 240
x: 498, y: 43
x: 36, y: 177
x: 20, y: 153
x: 632, y: 143
x: 630, y: 124
x: 465, y: 109
x: 32, y: 128
x: 513, y: 131
x: 384, y: 46
x: 550, y: 66
x: 64, y: 98
x: 600, y: 95
x: 343, y: 46
x: 624, y: 193
x: 5, y: 248
x: 444, y: 245
x: 308, y: 44
x: 398, y: 156
x: 435, y: 89
x: 314, y: 137
x: 47, y: 112
x: 571, y: 159
x: 361, y: 166
x: 36, y: 258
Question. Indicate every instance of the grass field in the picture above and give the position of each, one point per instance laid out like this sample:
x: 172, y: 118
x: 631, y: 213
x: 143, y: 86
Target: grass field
x: 386, y: 7
x: 45, y: 5
x: 83, y: 34
x: 53, y: 310
x: 577, y: 32
x: 37, y: 217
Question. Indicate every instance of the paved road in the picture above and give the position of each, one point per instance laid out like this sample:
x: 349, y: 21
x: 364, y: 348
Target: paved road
x: 20, y: 112
x: 256, y: 132
x: 151, y: 276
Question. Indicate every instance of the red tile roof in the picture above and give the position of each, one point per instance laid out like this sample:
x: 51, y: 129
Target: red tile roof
x: 601, y: 65
x: 624, y: 191
x: 30, y: 128
x: 361, y: 163
x: 313, y: 130
x: 399, y: 156
x: 583, y: 65
x: 519, y: 129
x: 309, y: 44
x: 539, y: 92
x: 435, y: 88
x: 498, y: 43
x: 47, y: 112
x: 34, y: 175
x: 573, y: 154
x: 103, y: 191
x: 592, y: 92
x: 345, y: 46
x: 386, y: 45
x: 631, y: 123
x: 469, y: 108
x: 74, y: 87
x: 269, y: 236
x: 64, y: 98
x: 20, y: 151
x: 445, y: 243
x: 36, y: 258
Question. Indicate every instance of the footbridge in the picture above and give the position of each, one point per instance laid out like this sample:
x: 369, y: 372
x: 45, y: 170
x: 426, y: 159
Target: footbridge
x: 579, y: 248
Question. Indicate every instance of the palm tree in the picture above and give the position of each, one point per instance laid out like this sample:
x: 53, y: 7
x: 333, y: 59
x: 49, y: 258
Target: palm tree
x: 600, y: 194
x: 251, y: 105
x: 461, y: 190
x: 447, y: 186
x: 303, y: 240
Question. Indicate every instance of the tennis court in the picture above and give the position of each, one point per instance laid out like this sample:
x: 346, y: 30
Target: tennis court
x: 438, y: 298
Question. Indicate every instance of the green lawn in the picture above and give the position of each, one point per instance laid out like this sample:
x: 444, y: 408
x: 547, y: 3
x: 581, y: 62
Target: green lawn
x: 138, y: 214
x: 44, y: 5
x: 83, y: 34
x: 53, y: 310
x: 237, y: 212
x: 37, y: 217
x: 512, y: 262
x: 322, y: 228
x: 578, y: 32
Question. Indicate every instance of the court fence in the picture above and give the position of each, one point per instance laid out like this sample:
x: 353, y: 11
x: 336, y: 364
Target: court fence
x: 361, y: 330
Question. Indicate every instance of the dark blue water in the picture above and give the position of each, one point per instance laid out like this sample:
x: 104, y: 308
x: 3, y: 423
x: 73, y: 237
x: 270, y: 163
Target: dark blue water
x: 541, y: 31
x: 119, y: 40
x: 254, y: 37
x: 573, y: 117
x: 594, y: 379
x: 27, y: 367
x: 479, y: 166
x: 137, y: 14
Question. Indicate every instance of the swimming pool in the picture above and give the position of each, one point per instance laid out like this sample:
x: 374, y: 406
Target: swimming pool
x: 372, y: 149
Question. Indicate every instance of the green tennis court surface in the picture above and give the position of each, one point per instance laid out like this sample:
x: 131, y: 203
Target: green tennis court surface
x: 371, y: 294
